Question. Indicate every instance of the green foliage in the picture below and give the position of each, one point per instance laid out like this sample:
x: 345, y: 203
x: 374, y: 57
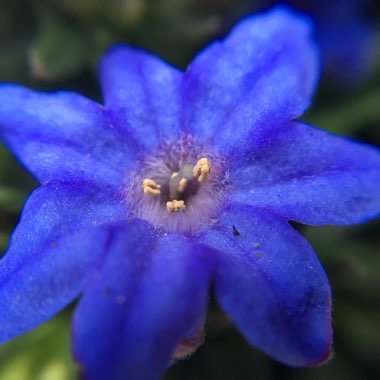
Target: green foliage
x: 58, y: 51
x: 42, y: 354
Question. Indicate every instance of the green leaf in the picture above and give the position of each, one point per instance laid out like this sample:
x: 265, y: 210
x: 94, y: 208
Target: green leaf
x: 358, y: 328
x: 42, y: 354
x: 350, y: 117
x: 58, y: 51
x: 11, y: 199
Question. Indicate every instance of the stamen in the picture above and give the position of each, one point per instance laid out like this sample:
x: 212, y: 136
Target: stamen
x: 173, y: 187
x: 180, y: 182
x: 202, y: 169
x: 175, y: 206
x: 182, y: 185
x: 151, y: 188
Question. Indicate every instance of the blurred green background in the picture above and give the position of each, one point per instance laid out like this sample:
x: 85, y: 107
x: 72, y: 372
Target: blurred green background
x: 50, y: 44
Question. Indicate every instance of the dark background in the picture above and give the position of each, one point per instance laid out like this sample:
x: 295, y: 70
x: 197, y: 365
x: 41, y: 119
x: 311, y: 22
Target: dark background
x: 51, y: 44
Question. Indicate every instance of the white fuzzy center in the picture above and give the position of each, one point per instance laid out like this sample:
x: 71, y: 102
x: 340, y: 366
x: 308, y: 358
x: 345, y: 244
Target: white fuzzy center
x: 179, y: 189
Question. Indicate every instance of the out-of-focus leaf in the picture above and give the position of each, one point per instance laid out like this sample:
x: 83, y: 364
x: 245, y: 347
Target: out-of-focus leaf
x: 3, y: 241
x: 122, y: 13
x: 42, y: 354
x: 12, y: 174
x: 350, y: 117
x: 351, y: 261
x: 192, y: 30
x: 11, y: 199
x: 13, y: 60
x: 359, y: 328
x: 58, y: 50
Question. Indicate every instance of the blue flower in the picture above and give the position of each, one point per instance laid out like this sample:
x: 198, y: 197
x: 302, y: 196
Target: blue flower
x: 179, y: 181
x: 343, y: 33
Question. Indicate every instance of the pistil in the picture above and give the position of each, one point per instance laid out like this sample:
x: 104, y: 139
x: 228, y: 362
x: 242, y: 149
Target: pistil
x: 181, y: 185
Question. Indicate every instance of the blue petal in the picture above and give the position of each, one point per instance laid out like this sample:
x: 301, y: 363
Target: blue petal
x: 62, y: 135
x: 310, y: 176
x: 348, y: 50
x: 270, y: 283
x: 141, y: 92
x: 150, y: 295
x: 51, y: 254
x: 241, y: 89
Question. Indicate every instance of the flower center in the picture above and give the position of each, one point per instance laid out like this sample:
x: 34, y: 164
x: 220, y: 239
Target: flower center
x: 179, y: 188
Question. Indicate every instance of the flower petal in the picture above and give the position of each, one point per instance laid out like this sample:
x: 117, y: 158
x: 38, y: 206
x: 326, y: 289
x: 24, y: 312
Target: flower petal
x: 141, y: 92
x: 311, y: 176
x: 150, y: 295
x: 61, y: 135
x: 272, y: 286
x: 247, y: 86
x: 51, y: 253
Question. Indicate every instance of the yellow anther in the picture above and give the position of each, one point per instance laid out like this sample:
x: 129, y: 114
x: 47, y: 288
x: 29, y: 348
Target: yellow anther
x: 182, y: 185
x: 202, y: 169
x: 151, y: 188
x: 175, y: 206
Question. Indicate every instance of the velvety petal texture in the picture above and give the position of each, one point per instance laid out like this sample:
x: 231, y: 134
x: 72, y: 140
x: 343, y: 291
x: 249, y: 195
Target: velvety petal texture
x: 261, y: 76
x: 52, y: 253
x: 270, y: 283
x: 62, y: 135
x: 150, y: 294
x: 145, y: 289
x: 310, y: 176
x: 141, y: 92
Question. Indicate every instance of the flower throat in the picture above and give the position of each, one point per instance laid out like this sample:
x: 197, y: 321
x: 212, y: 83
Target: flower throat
x: 178, y: 188
x: 181, y: 185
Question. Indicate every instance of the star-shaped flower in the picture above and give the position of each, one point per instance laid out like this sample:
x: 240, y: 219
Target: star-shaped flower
x: 179, y: 181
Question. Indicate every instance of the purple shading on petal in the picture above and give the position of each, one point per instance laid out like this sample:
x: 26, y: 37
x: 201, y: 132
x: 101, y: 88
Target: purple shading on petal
x: 62, y: 135
x: 151, y: 293
x: 311, y: 176
x: 141, y: 92
x: 270, y: 283
x: 261, y: 76
x: 52, y: 252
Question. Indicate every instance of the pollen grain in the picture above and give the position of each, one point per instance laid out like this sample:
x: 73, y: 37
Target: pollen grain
x: 175, y: 206
x: 202, y: 169
x: 151, y: 188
